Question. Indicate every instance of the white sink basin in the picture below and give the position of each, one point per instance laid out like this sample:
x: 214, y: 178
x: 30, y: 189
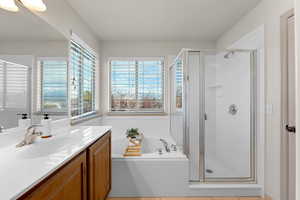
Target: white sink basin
x: 61, y: 141
x: 46, y: 147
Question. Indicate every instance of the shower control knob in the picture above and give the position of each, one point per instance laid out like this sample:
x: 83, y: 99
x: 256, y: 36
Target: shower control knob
x: 291, y: 129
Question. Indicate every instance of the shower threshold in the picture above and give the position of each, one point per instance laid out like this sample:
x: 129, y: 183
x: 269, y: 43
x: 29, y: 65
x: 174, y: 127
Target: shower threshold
x: 226, y: 189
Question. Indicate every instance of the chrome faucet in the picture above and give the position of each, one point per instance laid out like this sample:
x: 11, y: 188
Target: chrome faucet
x: 173, y: 147
x: 166, y: 145
x: 30, y: 136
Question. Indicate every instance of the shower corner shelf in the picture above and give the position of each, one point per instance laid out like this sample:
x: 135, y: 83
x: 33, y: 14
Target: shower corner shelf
x: 215, y: 86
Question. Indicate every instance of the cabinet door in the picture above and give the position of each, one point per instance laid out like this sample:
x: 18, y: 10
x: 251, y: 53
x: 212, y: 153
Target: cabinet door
x: 99, y: 168
x: 68, y: 183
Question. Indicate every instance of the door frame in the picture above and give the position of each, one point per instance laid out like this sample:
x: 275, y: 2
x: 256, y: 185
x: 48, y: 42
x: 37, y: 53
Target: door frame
x: 284, y: 152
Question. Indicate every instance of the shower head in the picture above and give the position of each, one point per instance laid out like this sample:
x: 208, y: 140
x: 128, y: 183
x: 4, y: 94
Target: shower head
x: 229, y: 54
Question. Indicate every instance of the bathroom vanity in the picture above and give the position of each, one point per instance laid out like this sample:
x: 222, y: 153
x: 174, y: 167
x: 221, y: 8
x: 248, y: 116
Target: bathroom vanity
x: 75, y: 164
x: 87, y: 176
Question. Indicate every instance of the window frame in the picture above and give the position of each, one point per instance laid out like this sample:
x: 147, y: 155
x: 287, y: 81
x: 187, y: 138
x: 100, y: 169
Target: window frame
x: 180, y: 61
x: 40, y: 83
x: 84, y: 116
x: 138, y: 112
x: 3, y: 106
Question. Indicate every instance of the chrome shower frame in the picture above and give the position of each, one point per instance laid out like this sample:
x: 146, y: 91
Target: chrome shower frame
x: 253, y: 116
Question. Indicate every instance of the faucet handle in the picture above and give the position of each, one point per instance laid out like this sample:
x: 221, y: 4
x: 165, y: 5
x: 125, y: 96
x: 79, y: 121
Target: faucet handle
x: 32, y: 130
x: 160, y: 151
x: 173, y: 147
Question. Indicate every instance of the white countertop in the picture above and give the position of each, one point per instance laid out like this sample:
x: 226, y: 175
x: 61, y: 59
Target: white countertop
x: 23, y: 168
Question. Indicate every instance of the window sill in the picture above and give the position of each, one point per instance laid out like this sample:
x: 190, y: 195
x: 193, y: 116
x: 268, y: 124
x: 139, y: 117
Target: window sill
x: 123, y: 113
x: 79, y: 120
x: 51, y: 113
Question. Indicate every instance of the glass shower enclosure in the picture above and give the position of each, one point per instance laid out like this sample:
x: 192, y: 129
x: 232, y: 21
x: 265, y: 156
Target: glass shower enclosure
x: 213, y: 113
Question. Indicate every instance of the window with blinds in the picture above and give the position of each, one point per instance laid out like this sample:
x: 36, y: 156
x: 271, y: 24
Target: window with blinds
x: 54, y: 85
x: 14, y: 86
x: 83, y: 64
x: 137, y: 85
x: 2, y: 84
x: 179, y: 83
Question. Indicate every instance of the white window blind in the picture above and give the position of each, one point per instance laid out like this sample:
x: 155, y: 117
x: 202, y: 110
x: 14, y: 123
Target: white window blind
x: 2, y: 85
x: 179, y: 83
x: 54, y: 85
x: 83, y: 64
x: 137, y: 85
x: 14, y: 86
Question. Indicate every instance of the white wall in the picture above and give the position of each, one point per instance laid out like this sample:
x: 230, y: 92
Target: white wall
x: 36, y: 48
x: 298, y: 94
x: 150, y: 126
x: 23, y: 59
x: 248, y: 23
x: 268, y: 12
x: 64, y: 19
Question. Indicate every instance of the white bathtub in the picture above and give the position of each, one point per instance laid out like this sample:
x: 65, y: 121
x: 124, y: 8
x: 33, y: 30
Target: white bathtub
x: 148, y: 175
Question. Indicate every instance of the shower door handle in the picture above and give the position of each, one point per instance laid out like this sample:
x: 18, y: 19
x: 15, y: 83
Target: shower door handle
x: 291, y: 129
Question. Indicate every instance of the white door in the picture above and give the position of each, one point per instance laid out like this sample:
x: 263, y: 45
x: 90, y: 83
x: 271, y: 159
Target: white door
x: 291, y: 111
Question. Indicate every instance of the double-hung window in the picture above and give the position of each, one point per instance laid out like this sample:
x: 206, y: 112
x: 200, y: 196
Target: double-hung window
x: 54, y: 85
x: 137, y: 85
x: 14, y: 86
x: 83, y: 62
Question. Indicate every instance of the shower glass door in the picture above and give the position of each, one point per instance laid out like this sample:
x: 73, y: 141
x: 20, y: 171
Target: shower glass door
x: 176, y: 102
x: 229, y: 117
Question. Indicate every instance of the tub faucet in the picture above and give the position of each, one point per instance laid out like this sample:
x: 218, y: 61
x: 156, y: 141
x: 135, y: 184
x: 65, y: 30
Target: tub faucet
x: 166, y: 145
x: 173, y: 147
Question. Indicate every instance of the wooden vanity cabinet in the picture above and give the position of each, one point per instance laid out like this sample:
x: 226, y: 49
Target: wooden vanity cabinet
x: 68, y: 183
x: 99, y: 168
x: 85, y: 177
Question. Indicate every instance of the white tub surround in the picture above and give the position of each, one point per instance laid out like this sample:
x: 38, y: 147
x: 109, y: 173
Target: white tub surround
x: 149, y: 177
x: 139, y: 176
x: 22, y: 168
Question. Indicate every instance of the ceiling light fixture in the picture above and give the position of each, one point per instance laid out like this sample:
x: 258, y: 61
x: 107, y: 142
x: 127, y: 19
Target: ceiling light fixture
x: 34, y: 5
x: 9, y: 5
